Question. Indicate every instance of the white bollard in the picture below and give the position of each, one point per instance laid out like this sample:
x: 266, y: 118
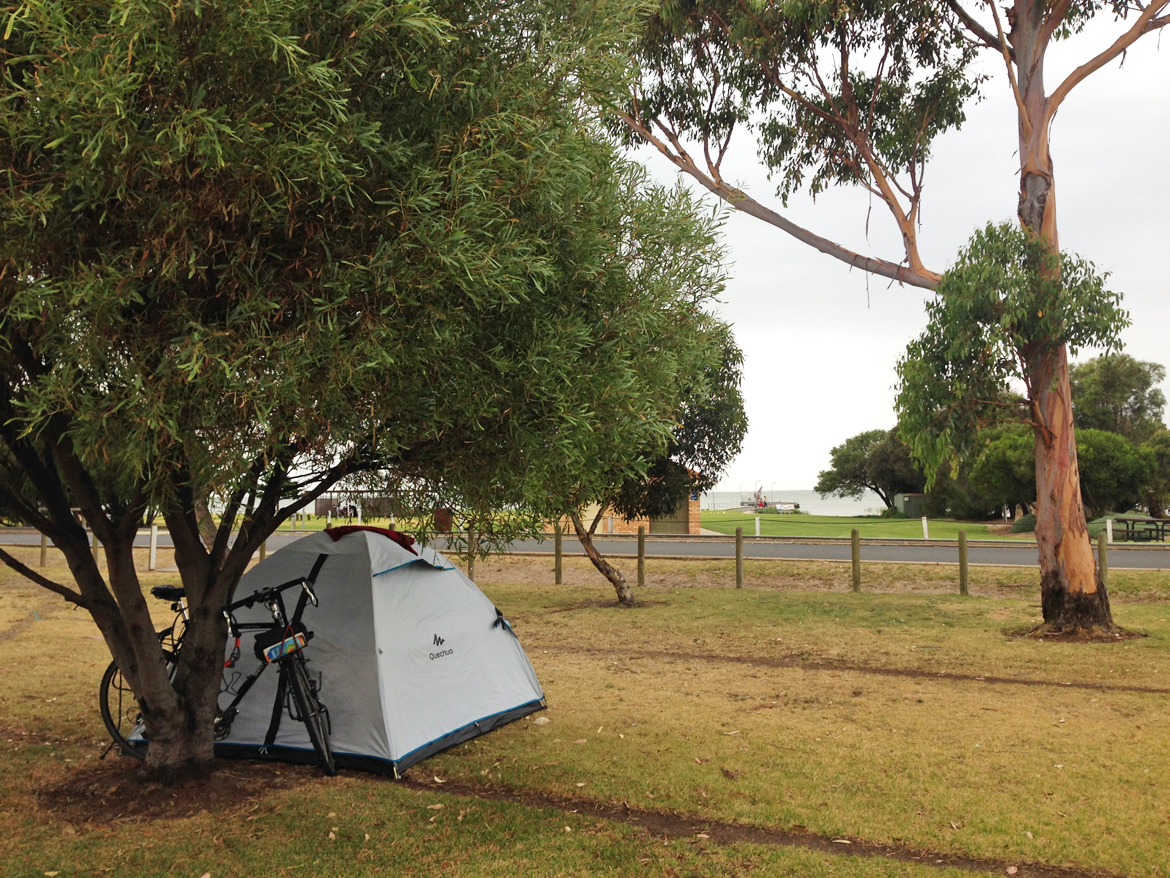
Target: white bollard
x: 1109, y: 531
x: 328, y: 518
x: 153, y: 547
x: 757, y: 525
x: 925, y: 529
x: 359, y: 516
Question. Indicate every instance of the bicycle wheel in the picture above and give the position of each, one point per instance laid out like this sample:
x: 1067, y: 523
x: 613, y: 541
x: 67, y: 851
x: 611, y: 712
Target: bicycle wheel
x: 120, y: 711
x: 311, y: 713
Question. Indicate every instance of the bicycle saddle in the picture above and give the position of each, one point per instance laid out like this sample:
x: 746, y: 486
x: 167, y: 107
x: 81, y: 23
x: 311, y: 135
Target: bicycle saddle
x: 168, y: 592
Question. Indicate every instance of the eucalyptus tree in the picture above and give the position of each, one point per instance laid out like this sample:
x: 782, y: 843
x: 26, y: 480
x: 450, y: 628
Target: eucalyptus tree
x: 252, y: 250
x: 856, y: 94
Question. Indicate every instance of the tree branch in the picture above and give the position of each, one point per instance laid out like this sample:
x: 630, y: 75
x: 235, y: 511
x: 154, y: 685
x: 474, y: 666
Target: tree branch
x: 55, y: 587
x: 1156, y: 23
x: 1146, y: 22
x: 982, y: 34
x: 1008, y: 59
x: 742, y: 202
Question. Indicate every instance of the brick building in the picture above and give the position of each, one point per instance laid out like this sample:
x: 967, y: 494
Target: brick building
x: 684, y: 521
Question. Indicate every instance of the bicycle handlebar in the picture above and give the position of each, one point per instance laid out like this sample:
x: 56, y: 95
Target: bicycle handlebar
x: 264, y: 595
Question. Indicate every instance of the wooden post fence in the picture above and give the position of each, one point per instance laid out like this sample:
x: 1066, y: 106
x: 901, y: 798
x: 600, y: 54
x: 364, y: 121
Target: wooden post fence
x: 641, y: 555
x: 963, y: 582
x: 44, y: 551
x: 739, y: 557
x: 558, y: 566
x: 855, y: 546
x: 1103, y: 557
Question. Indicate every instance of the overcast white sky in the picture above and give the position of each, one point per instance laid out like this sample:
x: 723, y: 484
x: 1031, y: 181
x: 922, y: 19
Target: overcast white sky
x: 821, y: 340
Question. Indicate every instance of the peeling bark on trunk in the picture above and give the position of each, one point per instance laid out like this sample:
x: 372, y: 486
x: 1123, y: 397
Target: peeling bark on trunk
x: 1072, y: 595
x: 625, y: 595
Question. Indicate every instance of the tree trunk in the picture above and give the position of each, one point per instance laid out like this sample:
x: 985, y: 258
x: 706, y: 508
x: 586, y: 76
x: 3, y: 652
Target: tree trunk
x: 1071, y: 594
x: 178, y: 702
x: 1072, y: 597
x: 625, y: 595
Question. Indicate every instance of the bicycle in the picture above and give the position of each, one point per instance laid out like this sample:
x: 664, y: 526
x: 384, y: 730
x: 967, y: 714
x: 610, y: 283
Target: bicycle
x: 280, y: 642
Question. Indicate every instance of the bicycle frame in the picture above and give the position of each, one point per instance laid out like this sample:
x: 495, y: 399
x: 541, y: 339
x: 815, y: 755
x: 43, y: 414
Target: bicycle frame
x: 273, y: 600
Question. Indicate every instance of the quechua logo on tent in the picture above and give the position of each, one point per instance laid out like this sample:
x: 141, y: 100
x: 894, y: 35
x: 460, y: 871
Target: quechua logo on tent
x: 439, y: 641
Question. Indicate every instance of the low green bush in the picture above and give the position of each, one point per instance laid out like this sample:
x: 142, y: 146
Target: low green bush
x: 1025, y: 524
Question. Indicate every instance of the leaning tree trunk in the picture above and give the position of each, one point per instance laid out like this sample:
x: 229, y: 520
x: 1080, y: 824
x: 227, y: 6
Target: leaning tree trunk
x: 1072, y: 596
x: 625, y: 595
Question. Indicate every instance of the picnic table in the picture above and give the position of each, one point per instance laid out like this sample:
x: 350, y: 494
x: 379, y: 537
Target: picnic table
x: 1141, y: 530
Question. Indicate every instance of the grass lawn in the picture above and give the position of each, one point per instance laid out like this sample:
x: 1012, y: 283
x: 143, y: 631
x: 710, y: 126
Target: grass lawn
x: 903, y: 718
x: 841, y: 526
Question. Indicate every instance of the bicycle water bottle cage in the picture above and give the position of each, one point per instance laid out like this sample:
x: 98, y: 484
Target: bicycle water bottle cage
x: 275, y: 644
x: 168, y: 592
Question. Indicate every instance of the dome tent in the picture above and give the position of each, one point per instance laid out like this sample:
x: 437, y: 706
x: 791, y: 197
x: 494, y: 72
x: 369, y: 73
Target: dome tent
x: 411, y: 657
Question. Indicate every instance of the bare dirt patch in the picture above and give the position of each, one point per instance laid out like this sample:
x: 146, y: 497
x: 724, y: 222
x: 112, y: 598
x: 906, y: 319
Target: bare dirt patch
x: 111, y: 792
x: 1092, y: 635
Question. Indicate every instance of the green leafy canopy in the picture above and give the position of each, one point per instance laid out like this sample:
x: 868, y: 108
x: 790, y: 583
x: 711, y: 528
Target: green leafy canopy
x: 1005, y: 302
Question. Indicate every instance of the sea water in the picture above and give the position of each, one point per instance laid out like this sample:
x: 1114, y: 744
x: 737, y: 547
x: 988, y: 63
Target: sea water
x: 810, y: 502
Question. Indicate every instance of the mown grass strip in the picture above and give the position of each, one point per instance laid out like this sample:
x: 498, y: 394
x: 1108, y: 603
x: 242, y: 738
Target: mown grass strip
x: 669, y: 825
x: 835, y: 666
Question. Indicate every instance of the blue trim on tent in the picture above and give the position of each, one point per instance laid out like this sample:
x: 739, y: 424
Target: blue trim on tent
x: 537, y: 701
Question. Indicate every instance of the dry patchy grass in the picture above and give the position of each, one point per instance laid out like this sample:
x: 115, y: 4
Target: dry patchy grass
x: 905, y: 719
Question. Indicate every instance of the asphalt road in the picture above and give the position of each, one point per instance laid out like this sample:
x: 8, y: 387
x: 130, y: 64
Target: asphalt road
x: 903, y: 551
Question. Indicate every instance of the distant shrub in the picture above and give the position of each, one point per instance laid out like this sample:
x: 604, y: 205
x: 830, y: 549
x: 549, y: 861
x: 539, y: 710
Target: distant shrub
x: 892, y: 512
x: 1025, y: 524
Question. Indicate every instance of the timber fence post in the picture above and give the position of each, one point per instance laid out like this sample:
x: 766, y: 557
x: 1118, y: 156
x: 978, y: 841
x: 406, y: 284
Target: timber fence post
x: 263, y: 550
x: 1103, y: 558
x: 1109, y: 530
x: 153, y: 560
x: 558, y: 567
x: 925, y: 529
x: 739, y: 557
x: 963, y: 581
x: 855, y: 546
x: 44, y: 551
x: 641, y: 555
